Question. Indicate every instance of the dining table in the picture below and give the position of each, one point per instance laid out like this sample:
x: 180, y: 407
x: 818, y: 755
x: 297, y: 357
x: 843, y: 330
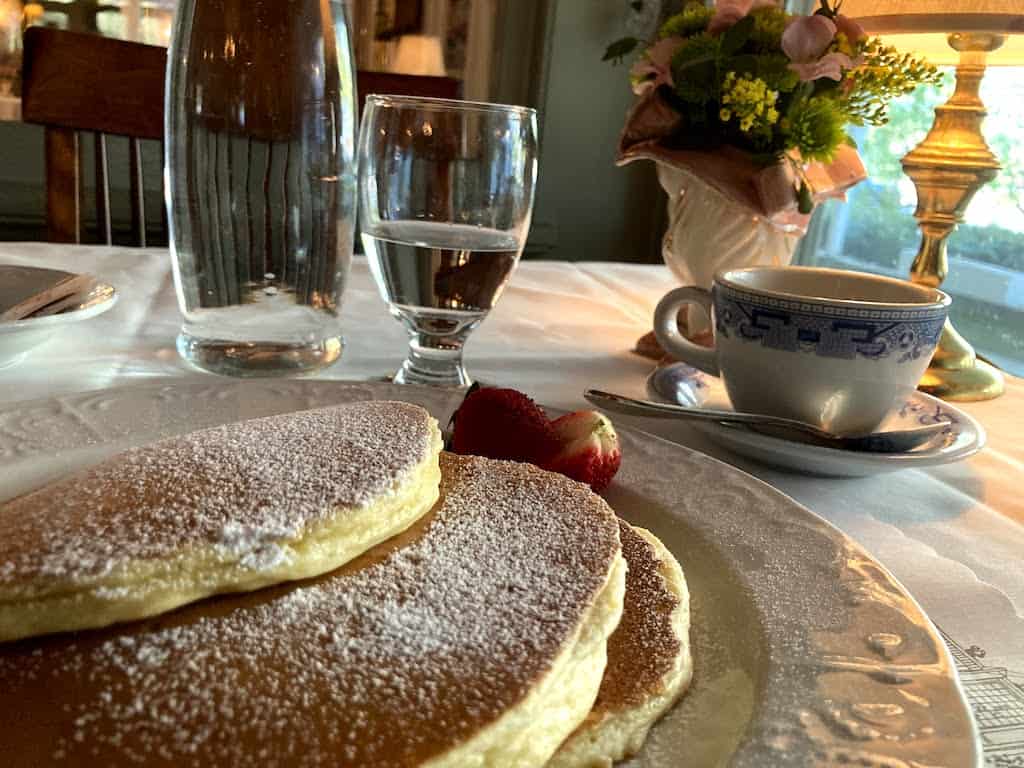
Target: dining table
x: 952, y: 534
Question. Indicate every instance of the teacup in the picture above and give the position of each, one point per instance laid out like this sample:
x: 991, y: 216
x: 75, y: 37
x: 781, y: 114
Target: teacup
x: 832, y: 348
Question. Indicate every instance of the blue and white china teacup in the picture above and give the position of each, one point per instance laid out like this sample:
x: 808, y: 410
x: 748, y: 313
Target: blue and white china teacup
x: 832, y: 348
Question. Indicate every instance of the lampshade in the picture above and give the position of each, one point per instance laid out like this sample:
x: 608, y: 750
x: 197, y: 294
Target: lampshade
x: 922, y: 26
x: 419, y: 55
x: 32, y: 11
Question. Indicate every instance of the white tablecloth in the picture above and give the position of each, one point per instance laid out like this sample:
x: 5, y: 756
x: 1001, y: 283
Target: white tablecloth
x: 953, y: 535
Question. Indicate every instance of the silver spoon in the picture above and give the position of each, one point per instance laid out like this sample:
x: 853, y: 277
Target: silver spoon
x: 890, y: 441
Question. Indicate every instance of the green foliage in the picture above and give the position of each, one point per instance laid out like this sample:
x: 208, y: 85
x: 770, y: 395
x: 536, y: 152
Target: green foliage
x: 769, y: 24
x: 878, y: 227
x: 910, y: 117
x: 992, y: 245
x: 805, y: 202
x: 885, y: 75
x: 815, y: 128
x: 707, y: 69
x: 618, y: 50
x: 695, y: 69
x: 736, y: 36
x: 694, y: 18
x: 876, y: 214
x: 774, y: 69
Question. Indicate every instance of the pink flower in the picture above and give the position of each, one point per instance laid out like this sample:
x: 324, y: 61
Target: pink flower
x: 831, y: 66
x: 657, y: 61
x: 728, y: 12
x: 854, y: 32
x: 805, y: 41
x: 807, y: 38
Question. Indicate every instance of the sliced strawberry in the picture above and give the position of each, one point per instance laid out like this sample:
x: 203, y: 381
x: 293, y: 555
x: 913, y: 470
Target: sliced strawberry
x: 503, y: 424
x: 589, y: 450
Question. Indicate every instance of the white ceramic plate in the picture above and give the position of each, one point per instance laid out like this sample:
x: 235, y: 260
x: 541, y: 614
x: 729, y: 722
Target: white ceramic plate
x: 19, y: 337
x: 807, y: 652
x: 685, y: 385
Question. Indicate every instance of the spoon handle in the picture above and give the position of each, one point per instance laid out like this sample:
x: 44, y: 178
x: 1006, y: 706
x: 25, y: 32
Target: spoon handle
x: 633, y: 407
x: 894, y: 441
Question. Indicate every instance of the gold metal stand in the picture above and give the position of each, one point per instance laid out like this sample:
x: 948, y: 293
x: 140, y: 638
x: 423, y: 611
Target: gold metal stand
x: 948, y: 167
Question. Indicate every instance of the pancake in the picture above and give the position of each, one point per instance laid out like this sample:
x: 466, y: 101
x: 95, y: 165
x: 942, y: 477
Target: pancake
x: 649, y: 663
x: 228, y: 509
x: 476, y: 638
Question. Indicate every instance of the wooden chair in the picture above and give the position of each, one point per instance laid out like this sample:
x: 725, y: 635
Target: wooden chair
x: 76, y: 83
x: 406, y: 85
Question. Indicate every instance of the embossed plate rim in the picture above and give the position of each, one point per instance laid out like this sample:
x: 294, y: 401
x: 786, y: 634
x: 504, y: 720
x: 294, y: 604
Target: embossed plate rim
x: 788, y: 566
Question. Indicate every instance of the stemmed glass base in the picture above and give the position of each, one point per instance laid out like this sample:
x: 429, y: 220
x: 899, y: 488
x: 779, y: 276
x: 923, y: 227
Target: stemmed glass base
x: 434, y: 360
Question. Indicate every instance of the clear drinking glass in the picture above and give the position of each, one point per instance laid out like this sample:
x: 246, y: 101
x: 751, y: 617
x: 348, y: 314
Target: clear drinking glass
x: 446, y: 194
x: 261, y: 176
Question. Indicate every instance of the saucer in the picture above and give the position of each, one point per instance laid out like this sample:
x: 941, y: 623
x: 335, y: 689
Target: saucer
x: 18, y: 337
x: 685, y: 385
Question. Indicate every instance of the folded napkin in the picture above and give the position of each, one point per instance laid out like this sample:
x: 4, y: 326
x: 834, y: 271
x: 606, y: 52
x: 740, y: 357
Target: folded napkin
x: 34, y: 291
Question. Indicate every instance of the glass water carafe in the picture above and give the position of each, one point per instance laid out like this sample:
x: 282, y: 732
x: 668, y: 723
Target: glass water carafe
x: 260, y: 132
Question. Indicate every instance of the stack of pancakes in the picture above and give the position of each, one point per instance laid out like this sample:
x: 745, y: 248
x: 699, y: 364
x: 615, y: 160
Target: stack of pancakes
x: 330, y: 588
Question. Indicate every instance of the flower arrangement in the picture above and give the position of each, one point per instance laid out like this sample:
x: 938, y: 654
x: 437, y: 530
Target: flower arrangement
x: 779, y: 87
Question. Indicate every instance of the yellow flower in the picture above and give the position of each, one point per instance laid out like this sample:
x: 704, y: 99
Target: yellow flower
x: 843, y: 45
x: 749, y: 101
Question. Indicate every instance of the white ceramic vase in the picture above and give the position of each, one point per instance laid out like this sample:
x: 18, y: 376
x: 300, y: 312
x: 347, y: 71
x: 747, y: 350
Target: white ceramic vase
x: 709, y: 232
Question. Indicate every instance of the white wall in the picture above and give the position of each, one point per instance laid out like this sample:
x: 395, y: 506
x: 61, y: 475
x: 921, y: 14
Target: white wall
x: 587, y: 208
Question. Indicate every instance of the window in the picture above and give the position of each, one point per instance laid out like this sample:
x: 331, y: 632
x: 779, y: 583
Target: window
x: 145, y: 21
x: 875, y: 230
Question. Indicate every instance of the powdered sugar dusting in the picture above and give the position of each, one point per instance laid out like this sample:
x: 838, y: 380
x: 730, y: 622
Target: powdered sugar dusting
x: 644, y: 647
x: 244, y: 488
x: 386, y: 662
x: 257, y: 547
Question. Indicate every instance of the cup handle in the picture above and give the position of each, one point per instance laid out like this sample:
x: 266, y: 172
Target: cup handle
x: 666, y: 328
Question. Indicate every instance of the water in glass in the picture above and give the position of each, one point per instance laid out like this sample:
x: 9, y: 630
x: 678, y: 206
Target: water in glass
x: 446, y: 190
x: 440, y: 279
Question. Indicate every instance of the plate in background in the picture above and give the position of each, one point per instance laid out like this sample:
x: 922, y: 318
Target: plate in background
x: 19, y: 337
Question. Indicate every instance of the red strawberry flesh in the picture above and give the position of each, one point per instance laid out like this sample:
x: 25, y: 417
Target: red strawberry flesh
x: 590, y: 451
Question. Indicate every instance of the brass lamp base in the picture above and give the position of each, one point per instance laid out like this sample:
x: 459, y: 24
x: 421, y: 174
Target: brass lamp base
x: 979, y: 382
x: 948, y: 167
x: 958, y: 374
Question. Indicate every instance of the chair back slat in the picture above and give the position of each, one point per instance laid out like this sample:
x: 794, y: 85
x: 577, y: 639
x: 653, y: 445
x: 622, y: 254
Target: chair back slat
x: 106, y: 232
x: 165, y: 229
x: 63, y: 186
x: 138, y: 198
x: 78, y: 82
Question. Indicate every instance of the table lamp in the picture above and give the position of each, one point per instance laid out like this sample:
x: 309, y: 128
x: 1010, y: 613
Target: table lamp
x: 953, y: 162
x: 419, y: 55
